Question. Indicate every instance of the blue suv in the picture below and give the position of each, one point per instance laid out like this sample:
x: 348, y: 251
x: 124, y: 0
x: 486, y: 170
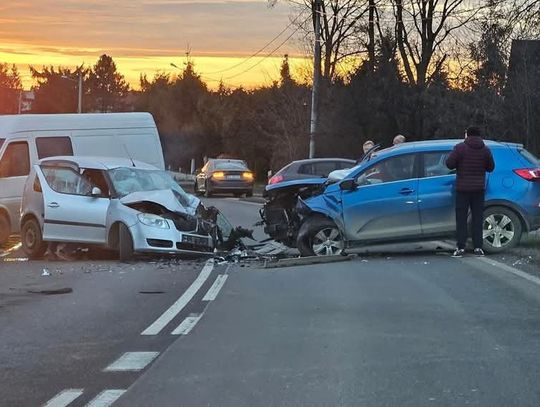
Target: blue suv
x: 403, y: 193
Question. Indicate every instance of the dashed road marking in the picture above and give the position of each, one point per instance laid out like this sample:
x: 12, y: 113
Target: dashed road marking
x: 64, y: 398
x: 187, y: 325
x: 106, y: 398
x: 131, y: 362
x: 174, y: 309
x: 216, y: 288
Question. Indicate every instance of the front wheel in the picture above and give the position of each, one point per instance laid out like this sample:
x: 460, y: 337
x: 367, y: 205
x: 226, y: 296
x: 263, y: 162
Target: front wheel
x: 125, y: 244
x: 502, y: 229
x: 320, y: 236
x: 32, y: 239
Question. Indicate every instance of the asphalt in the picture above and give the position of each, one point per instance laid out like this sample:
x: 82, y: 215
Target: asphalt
x: 402, y: 325
x: 417, y: 330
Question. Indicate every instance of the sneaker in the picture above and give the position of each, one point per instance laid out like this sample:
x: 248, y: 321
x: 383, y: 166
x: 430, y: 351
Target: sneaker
x: 458, y: 253
x: 479, y: 252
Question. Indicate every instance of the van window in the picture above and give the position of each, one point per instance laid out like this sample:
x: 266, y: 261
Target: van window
x: 53, y: 146
x: 16, y: 161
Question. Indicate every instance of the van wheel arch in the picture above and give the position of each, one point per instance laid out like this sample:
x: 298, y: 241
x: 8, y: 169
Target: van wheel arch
x: 5, y: 226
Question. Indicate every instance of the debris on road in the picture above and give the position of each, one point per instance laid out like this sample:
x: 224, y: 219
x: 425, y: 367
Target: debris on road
x: 46, y: 272
x: 305, y: 261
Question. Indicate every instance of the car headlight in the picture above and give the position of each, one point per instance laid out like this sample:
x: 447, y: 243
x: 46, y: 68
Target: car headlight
x: 153, y: 220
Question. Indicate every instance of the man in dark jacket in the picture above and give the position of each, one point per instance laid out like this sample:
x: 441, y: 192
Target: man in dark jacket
x: 472, y: 159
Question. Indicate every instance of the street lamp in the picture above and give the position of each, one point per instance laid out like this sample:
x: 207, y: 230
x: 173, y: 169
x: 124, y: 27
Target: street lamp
x: 79, y: 80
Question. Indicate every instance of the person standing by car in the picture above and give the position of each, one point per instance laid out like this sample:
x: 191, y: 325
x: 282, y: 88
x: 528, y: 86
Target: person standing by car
x: 399, y: 139
x: 472, y: 159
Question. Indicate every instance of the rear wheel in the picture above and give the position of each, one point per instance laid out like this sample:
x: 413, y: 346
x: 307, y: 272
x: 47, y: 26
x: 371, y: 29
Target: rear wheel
x: 502, y: 229
x: 5, y: 228
x: 32, y: 239
x: 125, y: 244
x: 320, y: 236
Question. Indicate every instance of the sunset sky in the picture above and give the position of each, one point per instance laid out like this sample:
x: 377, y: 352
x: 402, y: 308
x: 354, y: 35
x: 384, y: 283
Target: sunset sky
x: 145, y: 36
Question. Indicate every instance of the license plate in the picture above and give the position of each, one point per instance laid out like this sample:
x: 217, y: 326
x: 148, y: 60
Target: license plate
x: 199, y: 241
x: 234, y: 177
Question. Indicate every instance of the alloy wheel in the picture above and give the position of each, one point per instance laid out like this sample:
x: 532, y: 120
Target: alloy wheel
x: 499, y: 230
x: 327, y: 242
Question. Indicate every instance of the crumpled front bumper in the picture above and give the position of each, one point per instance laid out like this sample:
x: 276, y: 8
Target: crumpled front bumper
x: 149, y: 239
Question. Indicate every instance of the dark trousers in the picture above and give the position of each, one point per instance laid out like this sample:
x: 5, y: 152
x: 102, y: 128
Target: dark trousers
x: 474, y: 201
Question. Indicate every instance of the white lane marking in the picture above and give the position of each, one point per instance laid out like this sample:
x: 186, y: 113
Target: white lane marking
x: 505, y: 267
x: 106, y: 398
x: 131, y: 362
x: 187, y: 325
x: 174, y: 309
x: 216, y: 288
x: 511, y: 270
x: 64, y: 398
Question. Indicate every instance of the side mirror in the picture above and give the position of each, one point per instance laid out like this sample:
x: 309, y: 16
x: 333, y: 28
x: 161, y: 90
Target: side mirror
x: 348, y: 185
x: 96, y: 192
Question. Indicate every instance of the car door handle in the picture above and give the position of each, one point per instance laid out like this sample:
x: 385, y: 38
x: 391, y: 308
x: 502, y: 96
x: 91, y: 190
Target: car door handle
x: 53, y: 205
x: 406, y: 191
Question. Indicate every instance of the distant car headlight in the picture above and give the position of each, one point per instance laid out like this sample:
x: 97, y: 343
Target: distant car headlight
x: 153, y: 220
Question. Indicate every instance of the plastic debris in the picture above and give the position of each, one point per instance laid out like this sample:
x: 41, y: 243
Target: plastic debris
x: 46, y: 272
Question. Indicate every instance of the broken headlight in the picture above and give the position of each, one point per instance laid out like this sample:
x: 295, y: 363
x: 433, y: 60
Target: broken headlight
x: 156, y: 221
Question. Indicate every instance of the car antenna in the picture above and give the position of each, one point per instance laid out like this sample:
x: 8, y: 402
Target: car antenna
x: 129, y: 155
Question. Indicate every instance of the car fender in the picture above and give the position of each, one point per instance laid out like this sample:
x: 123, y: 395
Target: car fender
x: 327, y: 204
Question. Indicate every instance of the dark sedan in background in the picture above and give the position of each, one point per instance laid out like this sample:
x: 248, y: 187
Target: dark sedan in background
x: 311, y: 168
x: 224, y: 176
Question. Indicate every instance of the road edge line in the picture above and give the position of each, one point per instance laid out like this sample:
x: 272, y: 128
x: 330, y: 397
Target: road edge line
x: 502, y: 266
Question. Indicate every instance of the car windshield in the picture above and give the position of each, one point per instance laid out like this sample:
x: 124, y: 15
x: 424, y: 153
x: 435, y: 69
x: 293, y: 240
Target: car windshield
x: 127, y: 180
x: 230, y: 165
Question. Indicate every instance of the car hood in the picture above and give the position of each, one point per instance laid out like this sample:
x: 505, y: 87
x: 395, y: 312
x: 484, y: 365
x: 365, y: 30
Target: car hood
x: 169, y: 199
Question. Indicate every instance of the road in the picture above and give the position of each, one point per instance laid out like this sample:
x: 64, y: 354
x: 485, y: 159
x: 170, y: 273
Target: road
x: 398, y: 326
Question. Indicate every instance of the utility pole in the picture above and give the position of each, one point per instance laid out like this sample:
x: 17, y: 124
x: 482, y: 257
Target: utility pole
x: 79, y: 108
x: 314, y: 124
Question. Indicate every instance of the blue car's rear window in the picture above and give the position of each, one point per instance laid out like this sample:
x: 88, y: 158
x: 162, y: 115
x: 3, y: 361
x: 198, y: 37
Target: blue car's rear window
x: 529, y: 157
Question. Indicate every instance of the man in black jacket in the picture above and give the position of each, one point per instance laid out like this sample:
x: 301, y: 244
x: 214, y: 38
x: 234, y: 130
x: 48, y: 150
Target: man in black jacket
x: 472, y: 159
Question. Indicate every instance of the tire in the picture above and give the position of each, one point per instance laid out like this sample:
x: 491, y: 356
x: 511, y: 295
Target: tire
x: 125, y: 244
x: 249, y: 193
x: 5, y: 228
x: 207, y: 191
x: 319, y: 236
x: 32, y: 239
x: 502, y: 229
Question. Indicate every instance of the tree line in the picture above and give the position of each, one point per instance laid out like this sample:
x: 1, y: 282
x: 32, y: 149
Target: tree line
x: 423, y: 68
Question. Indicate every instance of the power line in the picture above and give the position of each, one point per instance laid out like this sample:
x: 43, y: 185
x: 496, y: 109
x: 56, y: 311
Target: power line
x: 267, y: 55
x: 259, y: 51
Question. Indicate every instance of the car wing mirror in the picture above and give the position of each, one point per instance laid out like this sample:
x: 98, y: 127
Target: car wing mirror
x: 347, y: 185
x: 96, y: 192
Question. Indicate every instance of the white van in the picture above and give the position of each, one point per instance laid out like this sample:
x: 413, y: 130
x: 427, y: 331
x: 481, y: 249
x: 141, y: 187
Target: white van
x: 25, y: 139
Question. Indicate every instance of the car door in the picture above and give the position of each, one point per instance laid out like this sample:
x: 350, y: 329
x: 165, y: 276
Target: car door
x: 71, y: 214
x: 436, y: 194
x: 384, y: 206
